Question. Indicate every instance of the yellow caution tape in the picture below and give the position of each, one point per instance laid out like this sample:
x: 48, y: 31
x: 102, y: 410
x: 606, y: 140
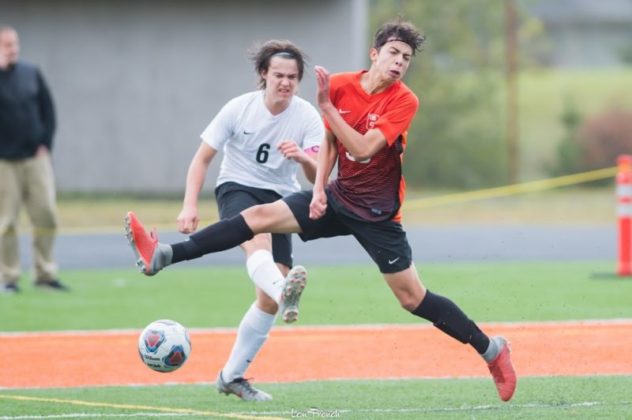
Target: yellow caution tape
x: 532, y: 186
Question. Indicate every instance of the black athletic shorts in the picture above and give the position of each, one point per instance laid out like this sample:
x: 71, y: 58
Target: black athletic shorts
x: 385, y: 241
x: 233, y: 198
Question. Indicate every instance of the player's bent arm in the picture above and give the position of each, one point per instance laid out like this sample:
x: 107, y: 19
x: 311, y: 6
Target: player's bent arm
x: 361, y: 147
x: 326, y: 160
x: 188, y: 219
x: 197, y: 173
x: 305, y: 157
x: 309, y: 165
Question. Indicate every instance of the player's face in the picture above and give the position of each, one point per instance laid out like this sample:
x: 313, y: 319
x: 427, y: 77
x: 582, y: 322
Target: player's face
x: 281, y: 79
x: 392, y: 60
x: 9, y: 46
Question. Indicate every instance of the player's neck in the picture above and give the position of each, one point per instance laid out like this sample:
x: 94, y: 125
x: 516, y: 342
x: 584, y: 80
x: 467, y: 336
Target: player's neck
x: 275, y: 107
x: 373, y: 83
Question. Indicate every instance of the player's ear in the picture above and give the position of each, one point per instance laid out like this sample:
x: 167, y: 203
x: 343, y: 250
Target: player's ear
x: 373, y: 53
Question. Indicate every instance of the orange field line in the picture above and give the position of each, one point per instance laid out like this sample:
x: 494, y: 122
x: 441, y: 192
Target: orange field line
x: 73, y: 359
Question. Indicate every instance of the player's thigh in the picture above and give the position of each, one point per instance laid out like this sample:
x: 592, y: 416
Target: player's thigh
x: 385, y: 242
x: 327, y: 226
x: 272, y: 218
x: 233, y: 198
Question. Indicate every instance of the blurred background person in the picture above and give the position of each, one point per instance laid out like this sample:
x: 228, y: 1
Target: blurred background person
x: 27, y: 126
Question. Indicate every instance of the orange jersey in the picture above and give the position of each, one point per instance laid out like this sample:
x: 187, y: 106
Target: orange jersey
x: 372, y: 189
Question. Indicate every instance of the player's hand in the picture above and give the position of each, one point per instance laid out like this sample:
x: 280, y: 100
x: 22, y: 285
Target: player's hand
x: 4, y: 61
x: 41, y: 151
x: 322, y: 94
x: 188, y: 219
x: 290, y: 150
x: 318, y: 206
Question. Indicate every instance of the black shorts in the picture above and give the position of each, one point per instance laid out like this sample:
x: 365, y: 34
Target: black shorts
x: 233, y: 198
x: 385, y: 241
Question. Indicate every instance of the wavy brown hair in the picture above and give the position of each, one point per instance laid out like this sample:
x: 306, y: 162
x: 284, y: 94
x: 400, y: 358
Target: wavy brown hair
x: 277, y: 48
x: 400, y: 30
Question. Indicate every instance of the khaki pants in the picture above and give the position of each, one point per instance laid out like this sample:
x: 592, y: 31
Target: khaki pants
x: 29, y: 182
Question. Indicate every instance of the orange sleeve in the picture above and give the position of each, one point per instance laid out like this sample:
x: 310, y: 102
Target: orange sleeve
x: 398, y: 118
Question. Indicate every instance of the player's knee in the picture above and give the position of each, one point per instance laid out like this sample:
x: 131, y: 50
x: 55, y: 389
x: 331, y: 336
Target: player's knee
x: 260, y: 241
x: 263, y: 218
x: 408, y: 302
x: 256, y: 217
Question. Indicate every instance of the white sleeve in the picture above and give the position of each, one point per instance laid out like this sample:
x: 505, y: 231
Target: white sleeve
x: 221, y: 128
x: 314, y: 129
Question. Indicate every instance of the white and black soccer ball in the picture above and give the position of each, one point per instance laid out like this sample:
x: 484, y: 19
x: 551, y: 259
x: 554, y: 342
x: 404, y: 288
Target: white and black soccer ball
x: 164, y: 345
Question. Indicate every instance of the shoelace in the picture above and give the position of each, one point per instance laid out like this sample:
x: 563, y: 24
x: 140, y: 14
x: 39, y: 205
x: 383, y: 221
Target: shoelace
x: 245, y: 383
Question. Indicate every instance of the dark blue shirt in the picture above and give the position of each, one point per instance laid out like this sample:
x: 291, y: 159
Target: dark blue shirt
x: 27, y: 114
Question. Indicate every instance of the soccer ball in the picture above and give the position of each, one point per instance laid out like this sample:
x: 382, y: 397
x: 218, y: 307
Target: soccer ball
x: 164, y: 345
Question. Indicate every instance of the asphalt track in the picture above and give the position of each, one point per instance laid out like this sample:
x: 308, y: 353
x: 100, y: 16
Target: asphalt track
x: 444, y: 243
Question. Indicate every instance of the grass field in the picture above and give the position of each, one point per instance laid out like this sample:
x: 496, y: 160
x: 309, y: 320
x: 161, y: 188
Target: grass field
x: 488, y: 292
x: 550, y: 398
x: 498, y: 292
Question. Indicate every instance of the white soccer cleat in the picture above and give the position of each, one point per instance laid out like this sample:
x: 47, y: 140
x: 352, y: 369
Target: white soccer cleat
x: 241, y: 388
x: 292, y: 290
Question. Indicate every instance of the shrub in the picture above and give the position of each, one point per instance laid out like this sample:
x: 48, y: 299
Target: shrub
x: 604, y: 137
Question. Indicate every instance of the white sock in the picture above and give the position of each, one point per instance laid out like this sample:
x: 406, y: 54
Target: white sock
x: 265, y: 274
x: 251, y: 334
x: 496, y: 344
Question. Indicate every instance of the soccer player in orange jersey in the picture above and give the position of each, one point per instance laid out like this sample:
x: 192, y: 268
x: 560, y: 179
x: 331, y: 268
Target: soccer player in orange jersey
x: 367, y: 114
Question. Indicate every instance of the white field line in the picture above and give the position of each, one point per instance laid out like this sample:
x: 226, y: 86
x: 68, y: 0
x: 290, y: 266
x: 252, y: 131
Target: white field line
x: 313, y: 412
x: 335, y: 412
x: 356, y: 327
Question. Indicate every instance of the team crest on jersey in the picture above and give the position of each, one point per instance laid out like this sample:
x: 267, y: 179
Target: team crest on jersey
x: 371, y: 119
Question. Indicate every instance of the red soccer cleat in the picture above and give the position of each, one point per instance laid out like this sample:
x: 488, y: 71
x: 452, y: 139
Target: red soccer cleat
x: 503, y: 372
x: 143, y: 244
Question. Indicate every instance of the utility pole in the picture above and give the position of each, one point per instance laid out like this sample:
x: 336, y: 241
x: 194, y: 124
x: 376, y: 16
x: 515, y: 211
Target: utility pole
x: 511, y: 78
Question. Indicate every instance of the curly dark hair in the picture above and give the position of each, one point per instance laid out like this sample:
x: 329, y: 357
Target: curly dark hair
x: 277, y: 48
x: 400, y: 30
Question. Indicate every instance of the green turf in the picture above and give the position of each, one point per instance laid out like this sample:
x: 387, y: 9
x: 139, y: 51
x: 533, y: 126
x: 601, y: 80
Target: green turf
x: 218, y: 297
x: 536, y: 398
x: 335, y: 295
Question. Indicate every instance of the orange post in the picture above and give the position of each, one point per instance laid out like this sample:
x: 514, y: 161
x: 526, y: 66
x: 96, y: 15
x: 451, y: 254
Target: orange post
x: 624, y: 213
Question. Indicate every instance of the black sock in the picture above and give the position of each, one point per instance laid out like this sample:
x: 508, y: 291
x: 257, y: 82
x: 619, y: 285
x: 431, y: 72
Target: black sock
x: 223, y: 235
x: 445, y: 315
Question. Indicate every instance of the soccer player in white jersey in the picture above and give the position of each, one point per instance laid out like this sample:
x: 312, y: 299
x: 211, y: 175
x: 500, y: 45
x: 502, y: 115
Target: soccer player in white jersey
x: 265, y: 135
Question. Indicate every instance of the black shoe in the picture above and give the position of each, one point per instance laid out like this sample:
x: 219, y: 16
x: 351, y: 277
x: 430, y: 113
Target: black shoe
x: 10, y: 289
x: 52, y: 285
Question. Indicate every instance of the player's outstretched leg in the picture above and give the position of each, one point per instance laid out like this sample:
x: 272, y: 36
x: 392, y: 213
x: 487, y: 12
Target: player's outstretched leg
x: 242, y: 388
x: 151, y: 256
x: 502, y: 369
x: 292, y: 290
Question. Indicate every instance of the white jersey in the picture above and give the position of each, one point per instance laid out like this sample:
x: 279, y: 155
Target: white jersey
x: 248, y: 134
